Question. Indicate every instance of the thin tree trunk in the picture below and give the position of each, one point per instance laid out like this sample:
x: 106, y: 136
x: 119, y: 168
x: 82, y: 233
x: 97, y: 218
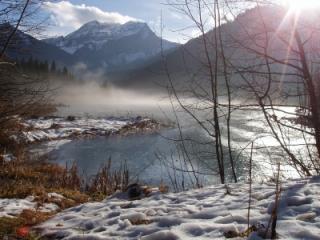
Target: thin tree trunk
x: 6, y: 45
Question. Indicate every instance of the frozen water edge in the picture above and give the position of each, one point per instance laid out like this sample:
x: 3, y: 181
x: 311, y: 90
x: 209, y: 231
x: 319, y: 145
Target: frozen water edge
x: 57, y: 128
x: 206, y: 213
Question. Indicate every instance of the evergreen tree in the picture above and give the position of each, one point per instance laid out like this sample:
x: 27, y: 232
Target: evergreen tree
x: 46, y: 66
x: 22, y: 64
x: 53, y: 68
x: 29, y: 65
x: 65, y: 71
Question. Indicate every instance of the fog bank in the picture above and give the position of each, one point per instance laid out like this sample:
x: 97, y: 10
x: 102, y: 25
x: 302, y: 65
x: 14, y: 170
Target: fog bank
x: 92, y: 99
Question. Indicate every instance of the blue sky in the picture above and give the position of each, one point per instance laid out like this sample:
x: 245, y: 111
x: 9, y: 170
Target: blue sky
x: 67, y: 16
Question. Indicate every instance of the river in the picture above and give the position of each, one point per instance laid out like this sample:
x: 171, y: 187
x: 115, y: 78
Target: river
x: 152, y: 157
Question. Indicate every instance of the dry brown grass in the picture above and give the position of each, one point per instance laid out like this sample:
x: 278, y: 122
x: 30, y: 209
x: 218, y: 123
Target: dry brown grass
x: 140, y: 222
x: 108, y: 181
x: 163, y: 188
x: 28, y: 175
x: 21, y: 179
x: 12, y: 227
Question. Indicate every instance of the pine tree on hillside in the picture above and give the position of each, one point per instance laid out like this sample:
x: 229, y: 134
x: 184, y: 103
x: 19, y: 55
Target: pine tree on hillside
x: 29, y: 65
x: 46, y: 67
x: 53, y: 68
x: 65, y: 71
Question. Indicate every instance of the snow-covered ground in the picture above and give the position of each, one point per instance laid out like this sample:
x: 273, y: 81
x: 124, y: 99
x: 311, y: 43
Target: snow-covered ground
x: 47, y: 129
x: 13, y: 207
x: 207, y: 213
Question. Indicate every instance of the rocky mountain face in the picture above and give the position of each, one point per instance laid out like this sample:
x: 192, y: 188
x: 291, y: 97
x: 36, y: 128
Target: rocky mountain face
x: 111, y: 47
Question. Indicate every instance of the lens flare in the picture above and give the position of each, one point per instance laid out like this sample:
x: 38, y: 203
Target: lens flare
x: 298, y: 5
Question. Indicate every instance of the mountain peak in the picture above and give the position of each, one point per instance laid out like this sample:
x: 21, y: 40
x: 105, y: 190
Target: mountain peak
x: 111, y: 45
x: 135, y: 24
x: 104, y: 25
x: 128, y: 28
x: 97, y: 24
x: 95, y: 34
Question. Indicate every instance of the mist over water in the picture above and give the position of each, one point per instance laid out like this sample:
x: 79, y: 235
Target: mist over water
x: 140, y: 151
x: 94, y: 100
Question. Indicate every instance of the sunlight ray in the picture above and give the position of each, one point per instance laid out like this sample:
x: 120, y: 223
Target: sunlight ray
x: 290, y: 45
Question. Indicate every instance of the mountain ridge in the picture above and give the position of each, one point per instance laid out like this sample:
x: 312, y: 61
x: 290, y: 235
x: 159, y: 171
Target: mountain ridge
x: 24, y: 46
x: 97, y: 46
x: 112, y: 46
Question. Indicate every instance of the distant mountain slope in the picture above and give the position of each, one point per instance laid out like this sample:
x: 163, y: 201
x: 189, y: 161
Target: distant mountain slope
x: 188, y: 62
x: 112, y: 47
x: 25, y: 46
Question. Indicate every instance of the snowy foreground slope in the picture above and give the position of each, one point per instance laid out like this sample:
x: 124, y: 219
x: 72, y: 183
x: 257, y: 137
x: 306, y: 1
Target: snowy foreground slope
x: 207, y: 213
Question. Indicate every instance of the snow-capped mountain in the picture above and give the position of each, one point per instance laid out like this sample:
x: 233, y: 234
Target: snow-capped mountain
x: 111, y: 46
x: 94, y: 34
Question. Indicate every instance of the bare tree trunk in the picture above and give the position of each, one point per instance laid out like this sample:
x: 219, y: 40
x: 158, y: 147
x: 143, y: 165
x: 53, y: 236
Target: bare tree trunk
x: 6, y: 44
x: 225, y: 74
x: 313, y: 101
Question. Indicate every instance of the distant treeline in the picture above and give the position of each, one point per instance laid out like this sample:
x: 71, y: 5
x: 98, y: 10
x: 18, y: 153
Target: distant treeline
x: 44, y: 69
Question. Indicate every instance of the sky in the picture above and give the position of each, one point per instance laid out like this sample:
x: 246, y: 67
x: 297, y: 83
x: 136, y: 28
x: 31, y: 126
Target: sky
x: 67, y: 16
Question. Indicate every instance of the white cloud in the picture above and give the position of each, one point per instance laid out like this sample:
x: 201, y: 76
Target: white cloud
x: 67, y: 15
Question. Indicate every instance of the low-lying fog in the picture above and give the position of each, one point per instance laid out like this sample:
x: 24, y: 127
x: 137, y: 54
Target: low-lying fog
x: 97, y: 101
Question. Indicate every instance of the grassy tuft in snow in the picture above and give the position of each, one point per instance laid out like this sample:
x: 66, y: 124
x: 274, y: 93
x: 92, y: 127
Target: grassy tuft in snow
x: 11, y: 226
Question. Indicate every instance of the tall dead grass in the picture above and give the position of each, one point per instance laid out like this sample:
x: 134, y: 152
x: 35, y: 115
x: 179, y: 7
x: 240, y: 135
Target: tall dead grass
x: 19, y: 179
x: 108, y: 181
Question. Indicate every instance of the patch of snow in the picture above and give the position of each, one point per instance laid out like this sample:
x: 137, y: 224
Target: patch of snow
x: 55, y: 195
x: 206, y: 213
x: 71, y: 49
x: 61, y: 128
x: 7, y: 157
x: 13, y: 207
x: 47, y: 147
x: 49, y: 207
x: 134, y: 217
x: 134, y: 56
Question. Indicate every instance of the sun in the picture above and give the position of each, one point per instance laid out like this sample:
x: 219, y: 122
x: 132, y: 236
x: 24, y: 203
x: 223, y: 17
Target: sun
x: 298, y: 5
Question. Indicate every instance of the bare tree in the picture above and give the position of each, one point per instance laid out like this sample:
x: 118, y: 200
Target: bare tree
x: 269, y: 63
x: 20, y: 94
x: 281, y: 60
x: 210, y: 86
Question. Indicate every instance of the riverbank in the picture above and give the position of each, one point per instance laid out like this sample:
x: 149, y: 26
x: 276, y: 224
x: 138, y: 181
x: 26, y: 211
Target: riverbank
x: 34, y: 189
x: 57, y: 128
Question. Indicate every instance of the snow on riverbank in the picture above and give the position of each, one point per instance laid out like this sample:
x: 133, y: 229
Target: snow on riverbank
x: 207, y: 213
x: 45, y: 129
x: 14, y: 206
